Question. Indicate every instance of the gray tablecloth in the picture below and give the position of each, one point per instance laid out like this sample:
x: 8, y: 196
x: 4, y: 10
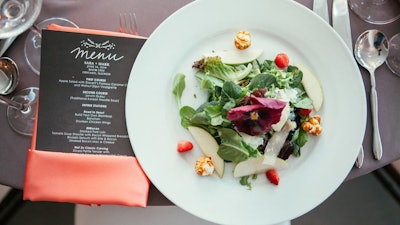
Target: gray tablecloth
x: 104, y: 15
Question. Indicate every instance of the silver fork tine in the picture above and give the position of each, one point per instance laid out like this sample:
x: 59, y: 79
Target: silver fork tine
x: 130, y: 18
x: 121, y: 26
x: 135, y: 27
x: 126, y: 26
x: 127, y: 23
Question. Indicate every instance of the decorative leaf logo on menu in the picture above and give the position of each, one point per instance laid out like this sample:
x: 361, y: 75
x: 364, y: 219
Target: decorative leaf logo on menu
x: 93, y: 50
x: 91, y: 44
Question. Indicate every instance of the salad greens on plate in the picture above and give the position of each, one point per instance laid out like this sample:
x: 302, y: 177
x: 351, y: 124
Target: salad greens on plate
x: 258, y: 113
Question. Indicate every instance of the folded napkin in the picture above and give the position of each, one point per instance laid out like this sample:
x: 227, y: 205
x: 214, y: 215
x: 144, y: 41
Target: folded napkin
x: 84, y: 178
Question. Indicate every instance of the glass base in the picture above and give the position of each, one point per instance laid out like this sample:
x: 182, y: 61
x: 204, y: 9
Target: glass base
x: 376, y: 11
x: 34, y: 40
x: 17, y: 16
x: 23, y: 121
x: 393, y: 59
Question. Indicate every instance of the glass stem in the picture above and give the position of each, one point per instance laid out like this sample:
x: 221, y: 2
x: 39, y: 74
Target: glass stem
x: 36, y: 30
x: 12, y: 103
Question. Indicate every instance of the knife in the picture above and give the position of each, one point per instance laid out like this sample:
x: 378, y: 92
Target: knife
x: 341, y: 24
x: 341, y: 21
x: 320, y: 7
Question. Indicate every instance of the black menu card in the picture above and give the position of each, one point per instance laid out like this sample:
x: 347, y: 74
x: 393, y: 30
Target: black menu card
x: 83, y: 81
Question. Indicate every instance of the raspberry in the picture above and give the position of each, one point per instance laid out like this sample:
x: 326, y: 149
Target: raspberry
x: 282, y: 60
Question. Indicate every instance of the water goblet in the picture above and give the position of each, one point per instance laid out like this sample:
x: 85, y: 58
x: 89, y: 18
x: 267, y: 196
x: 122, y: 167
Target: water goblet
x: 393, y: 59
x: 21, y: 110
x: 33, y: 41
x: 16, y: 16
x: 376, y: 11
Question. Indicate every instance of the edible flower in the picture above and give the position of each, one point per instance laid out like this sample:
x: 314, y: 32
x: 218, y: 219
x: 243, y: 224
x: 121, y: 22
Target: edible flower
x: 258, y: 117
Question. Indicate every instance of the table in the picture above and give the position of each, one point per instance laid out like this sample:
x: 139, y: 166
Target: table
x: 104, y: 15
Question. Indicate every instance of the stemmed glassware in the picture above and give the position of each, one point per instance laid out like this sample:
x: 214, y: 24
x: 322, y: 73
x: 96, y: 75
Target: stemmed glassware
x: 16, y: 16
x: 33, y: 41
x: 380, y: 12
x: 21, y: 110
x: 393, y: 59
x: 376, y: 11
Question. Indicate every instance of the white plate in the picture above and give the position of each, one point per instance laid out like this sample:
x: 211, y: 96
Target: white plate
x: 276, y: 26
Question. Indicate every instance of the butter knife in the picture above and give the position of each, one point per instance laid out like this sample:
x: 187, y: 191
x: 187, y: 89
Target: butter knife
x: 341, y: 24
x: 341, y: 21
x: 320, y: 7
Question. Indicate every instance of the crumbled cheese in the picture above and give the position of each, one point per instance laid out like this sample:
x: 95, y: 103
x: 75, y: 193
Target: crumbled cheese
x: 252, y: 141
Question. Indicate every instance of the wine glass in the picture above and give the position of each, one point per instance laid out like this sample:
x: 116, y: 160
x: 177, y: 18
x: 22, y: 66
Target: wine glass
x: 21, y: 110
x: 33, y: 41
x: 376, y: 11
x: 17, y: 16
x: 393, y: 59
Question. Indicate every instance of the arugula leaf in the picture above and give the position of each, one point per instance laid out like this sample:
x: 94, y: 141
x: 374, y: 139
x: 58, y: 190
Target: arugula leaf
x: 186, y: 113
x: 296, y: 150
x: 178, y: 87
x: 268, y: 65
x: 297, y: 75
x: 231, y: 147
x: 300, y: 137
x: 214, y: 115
x: 245, y: 182
x: 252, y: 152
x: 231, y: 93
x: 200, y: 118
x: 261, y: 81
x: 232, y: 90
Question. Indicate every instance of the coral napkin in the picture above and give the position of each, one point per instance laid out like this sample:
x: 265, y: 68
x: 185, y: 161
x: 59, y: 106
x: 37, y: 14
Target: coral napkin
x: 75, y: 178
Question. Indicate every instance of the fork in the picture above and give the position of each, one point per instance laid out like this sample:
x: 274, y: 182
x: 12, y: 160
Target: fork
x: 127, y: 23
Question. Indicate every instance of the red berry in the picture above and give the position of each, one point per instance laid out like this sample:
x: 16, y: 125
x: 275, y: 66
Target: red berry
x: 304, y: 112
x: 184, y: 146
x: 282, y: 60
x: 273, y: 176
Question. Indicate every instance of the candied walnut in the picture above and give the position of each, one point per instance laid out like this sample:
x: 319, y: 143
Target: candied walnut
x: 312, y: 125
x: 204, y: 166
x: 242, y: 40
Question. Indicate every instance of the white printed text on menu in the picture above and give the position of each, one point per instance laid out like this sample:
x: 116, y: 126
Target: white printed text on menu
x: 83, y: 81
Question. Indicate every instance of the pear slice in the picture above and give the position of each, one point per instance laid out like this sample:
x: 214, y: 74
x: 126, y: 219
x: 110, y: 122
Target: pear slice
x: 257, y: 165
x: 209, y: 147
x: 234, y: 57
x: 312, y: 87
x: 276, y: 142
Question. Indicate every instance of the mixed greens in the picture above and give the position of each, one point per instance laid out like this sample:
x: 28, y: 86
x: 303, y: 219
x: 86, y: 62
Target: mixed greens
x: 231, y: 86
x: 247, y: 105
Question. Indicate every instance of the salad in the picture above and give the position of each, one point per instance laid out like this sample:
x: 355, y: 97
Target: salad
x: 259, y: 112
